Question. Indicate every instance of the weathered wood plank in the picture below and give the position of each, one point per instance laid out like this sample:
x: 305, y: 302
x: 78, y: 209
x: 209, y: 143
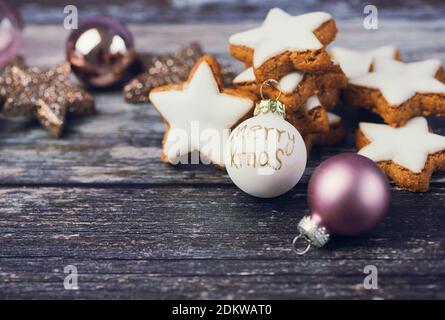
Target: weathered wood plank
x: 199, y: 242
x: 248, y: 285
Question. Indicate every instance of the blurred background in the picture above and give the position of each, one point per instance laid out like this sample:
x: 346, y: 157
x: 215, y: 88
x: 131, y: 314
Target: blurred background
x: 164, y: 25
x: 181, y: 11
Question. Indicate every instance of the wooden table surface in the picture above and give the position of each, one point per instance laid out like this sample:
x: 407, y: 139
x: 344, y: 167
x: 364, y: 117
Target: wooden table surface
x: 100, y: 199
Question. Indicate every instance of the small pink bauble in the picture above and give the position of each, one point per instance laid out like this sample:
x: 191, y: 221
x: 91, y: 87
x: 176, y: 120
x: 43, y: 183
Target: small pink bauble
x: 348, y: 194
x: 10, y: 32
x: 101, y: 51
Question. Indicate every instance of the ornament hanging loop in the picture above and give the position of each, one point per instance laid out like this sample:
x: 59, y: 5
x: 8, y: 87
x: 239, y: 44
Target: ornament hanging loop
x: 271, y: 83
x: 299, y: 240
x: 273, y: 106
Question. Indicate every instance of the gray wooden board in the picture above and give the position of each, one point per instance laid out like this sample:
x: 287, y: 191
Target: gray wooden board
x: 206, y: 242
x: 136, y: 228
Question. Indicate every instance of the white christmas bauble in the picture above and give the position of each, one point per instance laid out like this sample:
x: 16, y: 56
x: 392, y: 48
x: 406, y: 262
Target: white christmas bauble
x: 265, y: 156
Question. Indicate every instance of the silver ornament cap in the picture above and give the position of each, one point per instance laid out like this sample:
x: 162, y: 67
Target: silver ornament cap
x: 311, y: 233
x: 270, y: 106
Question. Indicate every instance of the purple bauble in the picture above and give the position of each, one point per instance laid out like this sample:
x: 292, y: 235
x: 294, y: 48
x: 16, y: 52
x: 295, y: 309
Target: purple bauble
x: 101, y: 51
x: 10, y: 32
x: 348, y: 194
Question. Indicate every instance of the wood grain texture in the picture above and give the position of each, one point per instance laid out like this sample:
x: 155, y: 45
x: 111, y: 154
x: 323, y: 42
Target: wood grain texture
x: 200, y: 242
x: 136, y: 228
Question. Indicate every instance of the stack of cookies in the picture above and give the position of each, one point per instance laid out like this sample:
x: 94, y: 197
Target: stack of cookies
x: 402, y: 94
x: 291, y: 51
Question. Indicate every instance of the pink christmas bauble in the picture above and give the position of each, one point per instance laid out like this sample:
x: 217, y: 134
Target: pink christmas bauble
x: 10, y: 32
x: 348, y: 194
x: 101, y: 51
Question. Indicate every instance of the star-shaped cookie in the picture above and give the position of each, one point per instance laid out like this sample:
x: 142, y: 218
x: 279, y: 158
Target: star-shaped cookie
x: 355, y: 63
x: 284, y: 43
x: 47, y: 95
x: 409, y: 155
x: 199, y: 113
x: 398, y: 91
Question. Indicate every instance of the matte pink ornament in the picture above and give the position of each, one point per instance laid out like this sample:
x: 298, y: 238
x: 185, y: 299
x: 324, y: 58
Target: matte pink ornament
x: 348, y: 194
x: 10, y: 32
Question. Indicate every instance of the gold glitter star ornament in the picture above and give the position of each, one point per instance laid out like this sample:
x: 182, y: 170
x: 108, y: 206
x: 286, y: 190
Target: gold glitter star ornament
x: 49, y: 95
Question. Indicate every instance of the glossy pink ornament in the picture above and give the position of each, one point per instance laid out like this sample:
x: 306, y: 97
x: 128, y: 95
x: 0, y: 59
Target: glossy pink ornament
x: 101, y: 51
x: 10, y: 32
x: 348, y: 194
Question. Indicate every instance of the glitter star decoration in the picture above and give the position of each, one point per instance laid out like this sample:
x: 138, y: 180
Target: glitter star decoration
x: 48, y: 95
x: 162, y: 69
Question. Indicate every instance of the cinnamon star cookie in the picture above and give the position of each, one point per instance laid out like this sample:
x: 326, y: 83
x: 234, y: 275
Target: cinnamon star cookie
x: 284, y: 43
x: 409, y: 155
x: 200, y: 113
x: 398, y: 91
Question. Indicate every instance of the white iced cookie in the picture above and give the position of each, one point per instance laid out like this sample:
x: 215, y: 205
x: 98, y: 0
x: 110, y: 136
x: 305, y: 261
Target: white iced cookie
x: 281, y: 32
x: 398, y: 81
x: 408, y: 146
x: 199, y: 113
x: 355, y: 63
